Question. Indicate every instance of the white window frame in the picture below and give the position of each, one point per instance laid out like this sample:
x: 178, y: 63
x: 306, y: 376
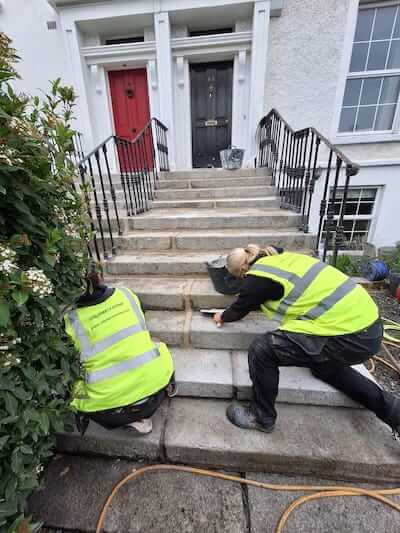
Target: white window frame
x: 345, y: 74
x: 371, y: 217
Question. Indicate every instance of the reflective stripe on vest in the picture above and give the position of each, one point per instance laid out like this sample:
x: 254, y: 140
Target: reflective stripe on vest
x: 120, y: 368
x: 89, y: 350
x: 331, y: 300
x: 301, y: 284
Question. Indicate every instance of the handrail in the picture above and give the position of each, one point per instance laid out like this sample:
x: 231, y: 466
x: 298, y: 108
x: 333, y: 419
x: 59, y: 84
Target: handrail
x: 139, y: 164
x: 293, y: 159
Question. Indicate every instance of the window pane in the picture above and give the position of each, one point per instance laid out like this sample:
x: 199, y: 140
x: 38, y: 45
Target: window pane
x: 348, y: 225
x: 365, y: 119
x: 384, y: 22
x: 361, y: 225
x: 359, y: 57
x: 390, y: 90
x: 384, y: 117
x: 370, y: 91
x: 353, y: 193
x: 364, y: 25
x: 377, y: 55
x: 396, y: 32
x: 366, y: 208
x: 351, y: 208
x: 352, y: 92
x: 368, y: 194
x: 394, y: 55
x: 347, y: 119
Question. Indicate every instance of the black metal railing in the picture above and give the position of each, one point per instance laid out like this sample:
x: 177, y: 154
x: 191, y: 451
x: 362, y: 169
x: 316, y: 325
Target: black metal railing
x: 294, y: 158
x: 110, y: 196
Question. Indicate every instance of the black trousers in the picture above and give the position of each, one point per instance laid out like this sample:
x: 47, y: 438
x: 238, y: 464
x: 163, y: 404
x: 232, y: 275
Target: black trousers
x: 329, y: 358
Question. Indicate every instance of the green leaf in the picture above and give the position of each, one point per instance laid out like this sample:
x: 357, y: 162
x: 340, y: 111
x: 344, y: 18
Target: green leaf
x: 11, y: 404
x: 26, y: 449
x: 4, y: 314
x: 50, y: 259
x: 21, y: 297
x: 3, y: 441
x: 44, y: 423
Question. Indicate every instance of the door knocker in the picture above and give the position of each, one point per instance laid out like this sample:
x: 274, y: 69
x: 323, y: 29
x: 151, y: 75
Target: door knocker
x: 130, y: 93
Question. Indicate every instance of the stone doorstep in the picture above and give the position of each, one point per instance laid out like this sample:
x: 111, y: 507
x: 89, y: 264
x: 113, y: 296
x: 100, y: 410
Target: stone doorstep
x: 210, y: 183
x: 73, y: 493
x: 332, y: 442
x: 225, y: 374
x: 211, y: 173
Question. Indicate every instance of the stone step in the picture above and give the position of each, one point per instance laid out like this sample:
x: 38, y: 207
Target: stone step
x: 221, y: 239
x: 211, y: 183
x: 347, y: 444
x: 267, y: 202
x: 172, y: 263
x: 165, y: 219
x: 212, y: 173
x: 171, y: 294
x: 217, y: 192
x: 225, y: 374
x: 176, y: 329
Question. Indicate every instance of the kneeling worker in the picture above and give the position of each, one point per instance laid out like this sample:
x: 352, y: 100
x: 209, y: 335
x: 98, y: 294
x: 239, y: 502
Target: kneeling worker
x: 326, y: 323
x: 127, y: 375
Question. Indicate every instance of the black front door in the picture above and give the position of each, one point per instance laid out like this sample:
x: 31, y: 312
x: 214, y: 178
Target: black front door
x: 211, y: 95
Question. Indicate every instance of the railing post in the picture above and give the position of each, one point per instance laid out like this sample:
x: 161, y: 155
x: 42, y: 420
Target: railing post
x: 330, y: 216
x: 105, y: 204
x: 84, y: 188
x: 112, y: 189
x: 322, y: 209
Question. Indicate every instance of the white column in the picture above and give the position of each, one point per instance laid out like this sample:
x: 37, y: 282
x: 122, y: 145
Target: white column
x: 182, y: 114
x: 164, y: 67
x: 259, y: 52
x: 80, y: 75
x: 240, y: 105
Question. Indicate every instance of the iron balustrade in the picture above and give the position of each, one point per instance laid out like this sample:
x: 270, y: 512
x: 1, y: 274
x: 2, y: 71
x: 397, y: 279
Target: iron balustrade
x: 293, y: 158
x: 110, y: 197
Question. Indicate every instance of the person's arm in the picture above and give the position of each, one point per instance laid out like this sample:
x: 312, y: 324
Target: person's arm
x: 254, y: 292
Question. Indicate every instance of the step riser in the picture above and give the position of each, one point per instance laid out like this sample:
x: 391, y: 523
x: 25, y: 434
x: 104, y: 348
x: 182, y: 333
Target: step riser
x: 210, y: 243
x: 194, y: 194
x: 212, y: 173
x: 270, y: 203
x: 156, y: 268
x: 213, y: 183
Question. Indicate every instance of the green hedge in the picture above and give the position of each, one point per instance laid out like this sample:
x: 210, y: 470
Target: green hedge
x: 43, y: 255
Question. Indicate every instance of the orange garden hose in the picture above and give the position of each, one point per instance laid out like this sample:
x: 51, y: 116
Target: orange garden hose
x: 319, y: 491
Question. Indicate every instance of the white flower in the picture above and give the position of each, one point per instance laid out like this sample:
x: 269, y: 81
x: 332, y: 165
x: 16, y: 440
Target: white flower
x: 72, y: 231
x: 7, y: 266
x: 9, y: 156
x: 41, y: 285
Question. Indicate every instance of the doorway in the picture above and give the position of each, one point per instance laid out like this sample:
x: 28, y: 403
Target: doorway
x: 131, y: 110
x: 211, y: 109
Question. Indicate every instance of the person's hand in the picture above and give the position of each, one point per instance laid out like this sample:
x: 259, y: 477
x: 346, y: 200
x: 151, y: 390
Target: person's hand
x: 218, y: 319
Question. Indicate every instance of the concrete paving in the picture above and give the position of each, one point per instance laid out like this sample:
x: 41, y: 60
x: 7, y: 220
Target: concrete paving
x: 74, y: 490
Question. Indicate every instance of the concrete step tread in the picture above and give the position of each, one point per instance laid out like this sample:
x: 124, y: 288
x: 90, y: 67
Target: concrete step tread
x: 348, y: 444
x: 205, y: 201
x: 202, y: 183
x: 208, y: 173
x: 213, y: 189
x: 225, y: 374
x: 228, y: 232
x: 240, y: 212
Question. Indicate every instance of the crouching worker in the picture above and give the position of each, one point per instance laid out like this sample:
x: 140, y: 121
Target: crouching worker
x: 126, y: 374
x: 326, y: 323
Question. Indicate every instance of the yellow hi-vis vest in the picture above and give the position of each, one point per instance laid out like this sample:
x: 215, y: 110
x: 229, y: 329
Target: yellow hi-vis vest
x: 318, y: 299
x: 122, y: 364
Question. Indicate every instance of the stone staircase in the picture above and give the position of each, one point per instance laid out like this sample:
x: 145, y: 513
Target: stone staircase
x: 195, y: 217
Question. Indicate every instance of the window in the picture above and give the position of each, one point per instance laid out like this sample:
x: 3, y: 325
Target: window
x: 373, y: 83
x: 358, y: 214
x: 199, y: 33
x: 125, y: 40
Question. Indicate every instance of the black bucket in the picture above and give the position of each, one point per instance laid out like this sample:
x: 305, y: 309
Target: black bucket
x: 222, y: 280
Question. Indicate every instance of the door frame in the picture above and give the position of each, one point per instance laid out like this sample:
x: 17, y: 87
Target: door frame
x: 230, y: 61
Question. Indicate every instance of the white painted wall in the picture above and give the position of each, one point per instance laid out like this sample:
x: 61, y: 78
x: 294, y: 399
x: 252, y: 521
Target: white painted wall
x: 41, y: 50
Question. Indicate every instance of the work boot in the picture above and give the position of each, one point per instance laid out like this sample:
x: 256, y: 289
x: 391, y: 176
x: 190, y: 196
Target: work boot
x: 142, y: 427
x: 392, y: 413
x: 242, y: 415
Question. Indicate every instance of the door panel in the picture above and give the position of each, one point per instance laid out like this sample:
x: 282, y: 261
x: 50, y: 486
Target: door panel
x: 211, y: 101
x: 130, y: 103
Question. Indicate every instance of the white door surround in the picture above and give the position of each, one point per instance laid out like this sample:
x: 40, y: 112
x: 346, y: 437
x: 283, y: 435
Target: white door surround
x: 167, y: 59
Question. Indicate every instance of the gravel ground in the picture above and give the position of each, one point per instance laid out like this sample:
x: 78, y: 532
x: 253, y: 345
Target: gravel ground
x: 389, y: 308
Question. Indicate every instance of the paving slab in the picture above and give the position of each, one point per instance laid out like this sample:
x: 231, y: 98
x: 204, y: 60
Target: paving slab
x: 217, y: 192
x: 297, y: 385
x: 232, y: 336
x: 203, y: 373
x: 116, y: 443
x: 332, y: 442
x: 328, y: 515
x: 75, y: 488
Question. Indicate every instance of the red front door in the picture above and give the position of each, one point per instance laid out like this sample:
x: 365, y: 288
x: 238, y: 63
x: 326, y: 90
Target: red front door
x: 130, y: 102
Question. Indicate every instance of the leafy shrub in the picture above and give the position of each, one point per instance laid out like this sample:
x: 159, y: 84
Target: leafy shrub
x: 392, y: 259
x: 43, y: 255
x: 349, y: 265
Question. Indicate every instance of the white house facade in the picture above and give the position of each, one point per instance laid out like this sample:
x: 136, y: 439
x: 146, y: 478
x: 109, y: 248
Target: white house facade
x: 210, y: 70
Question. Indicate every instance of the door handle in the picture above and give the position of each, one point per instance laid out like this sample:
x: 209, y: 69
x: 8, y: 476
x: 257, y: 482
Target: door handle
x: 211, y: 122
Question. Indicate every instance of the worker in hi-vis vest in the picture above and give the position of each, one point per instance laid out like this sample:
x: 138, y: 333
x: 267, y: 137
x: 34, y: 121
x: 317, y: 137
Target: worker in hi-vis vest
x: 326, y: 322
x: 126, y: 376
